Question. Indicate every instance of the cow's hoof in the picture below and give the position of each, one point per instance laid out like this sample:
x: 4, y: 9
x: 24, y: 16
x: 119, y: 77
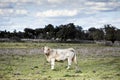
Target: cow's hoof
x: 68, y: 68
x: 78, y: 71
x: 52, y: 68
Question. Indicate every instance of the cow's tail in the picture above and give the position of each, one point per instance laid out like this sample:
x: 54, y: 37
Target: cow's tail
x: 71, y: 49
x: 74, y: 59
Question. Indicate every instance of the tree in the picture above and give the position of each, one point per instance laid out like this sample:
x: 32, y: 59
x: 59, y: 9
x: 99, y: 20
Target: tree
x: 56, y: 30
x: 110, y: 32
x: 117, y: 35
x: 67, y: 32
x: 91, y: 33
x: 49, y: 31
x: 62, y: 32
x: 29, y: 33
x: 20, y: 34
x: 4, y: 34
x: 39, y: 33
x: 96, y: 34
x: 71, y: 31
x: 79, y: 33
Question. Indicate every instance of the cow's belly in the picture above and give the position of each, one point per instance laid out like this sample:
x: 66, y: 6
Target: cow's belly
x: 60, y: 58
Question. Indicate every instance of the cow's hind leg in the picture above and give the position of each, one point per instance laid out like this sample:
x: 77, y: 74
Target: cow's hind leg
x: 69, y: 63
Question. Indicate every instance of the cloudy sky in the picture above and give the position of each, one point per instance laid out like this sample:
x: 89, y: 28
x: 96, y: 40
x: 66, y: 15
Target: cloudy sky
x: 19, y: 14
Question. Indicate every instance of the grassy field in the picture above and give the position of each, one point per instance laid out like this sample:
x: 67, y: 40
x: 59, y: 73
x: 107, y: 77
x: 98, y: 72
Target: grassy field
x: 25, y: 61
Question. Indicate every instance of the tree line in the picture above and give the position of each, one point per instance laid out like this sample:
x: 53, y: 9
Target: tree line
x: 65, y: 32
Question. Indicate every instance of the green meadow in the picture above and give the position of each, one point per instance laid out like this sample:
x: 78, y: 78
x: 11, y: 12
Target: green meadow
x: 26, y: 61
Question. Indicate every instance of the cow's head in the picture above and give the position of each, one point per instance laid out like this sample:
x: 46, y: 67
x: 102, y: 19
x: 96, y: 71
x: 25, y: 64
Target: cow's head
x: 46, y: 50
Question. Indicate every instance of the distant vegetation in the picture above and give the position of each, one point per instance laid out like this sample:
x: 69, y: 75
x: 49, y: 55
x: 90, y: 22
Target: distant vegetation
x: 65, y: 32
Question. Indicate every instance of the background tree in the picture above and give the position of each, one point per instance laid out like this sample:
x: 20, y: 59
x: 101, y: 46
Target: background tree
x: 39, y: 33
x: 67, y: 31
x: 70, y: 31
x: 57, y: 28
x: 117, y: 34
x: 98, y: 34
x: 20, y: 34
x: 110, y: 32
x: 29, y: 33
x: 49, y: 31
x: 62, y: 32
x: 95, y: 34
x: 91, y: 33
x: 80, y: 35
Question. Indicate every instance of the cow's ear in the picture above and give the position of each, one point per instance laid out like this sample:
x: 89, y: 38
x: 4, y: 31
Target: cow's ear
x: 48, y: 49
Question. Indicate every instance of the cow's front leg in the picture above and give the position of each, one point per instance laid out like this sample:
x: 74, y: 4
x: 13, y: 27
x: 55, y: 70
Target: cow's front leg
x: 69, y: 63
x: 52, y: 63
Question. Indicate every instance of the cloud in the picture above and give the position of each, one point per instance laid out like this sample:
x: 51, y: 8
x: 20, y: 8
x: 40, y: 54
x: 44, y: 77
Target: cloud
x: 102, y: 6
x: 15, y: 1
x: 5, y: 5
x: 6, y: 11
x: 57, y: 13
x: 99, y: 20
x: 13, y: 12
x: 5, y: 21
x: 56, y: 1
x: 21, y: 12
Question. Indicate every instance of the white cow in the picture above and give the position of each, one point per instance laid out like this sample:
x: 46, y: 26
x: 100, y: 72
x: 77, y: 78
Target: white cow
x: 53, y: 55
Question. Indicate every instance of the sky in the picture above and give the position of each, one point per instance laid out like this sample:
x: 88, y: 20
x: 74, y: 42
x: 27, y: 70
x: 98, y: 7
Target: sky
x: 20, y: 14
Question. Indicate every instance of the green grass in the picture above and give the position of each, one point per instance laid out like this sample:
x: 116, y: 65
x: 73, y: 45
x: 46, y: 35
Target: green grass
x: 17, y: 67
x: 34, y: 66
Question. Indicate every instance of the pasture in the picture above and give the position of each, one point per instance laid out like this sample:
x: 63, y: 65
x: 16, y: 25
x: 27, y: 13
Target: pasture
x: 25, y: 61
